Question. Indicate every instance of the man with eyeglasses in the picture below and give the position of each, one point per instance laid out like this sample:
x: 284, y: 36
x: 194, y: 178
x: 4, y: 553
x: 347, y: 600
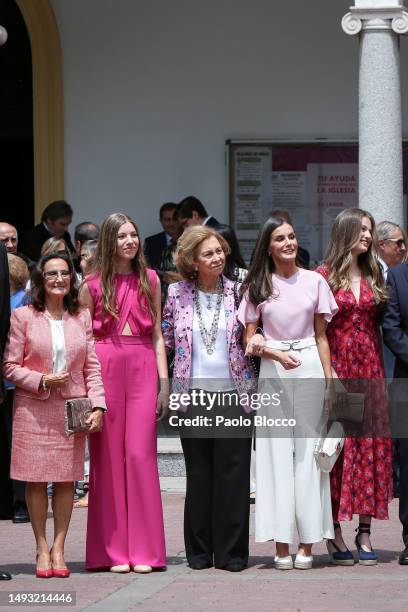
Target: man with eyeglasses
x: 392, y: 247
x: 392, y: 250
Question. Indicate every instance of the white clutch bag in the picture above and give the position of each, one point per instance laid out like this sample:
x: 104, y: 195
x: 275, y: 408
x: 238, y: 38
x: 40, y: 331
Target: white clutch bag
x: 328, y: 449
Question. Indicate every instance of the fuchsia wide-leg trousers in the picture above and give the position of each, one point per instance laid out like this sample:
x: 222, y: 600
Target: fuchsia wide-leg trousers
x: 125, y: 518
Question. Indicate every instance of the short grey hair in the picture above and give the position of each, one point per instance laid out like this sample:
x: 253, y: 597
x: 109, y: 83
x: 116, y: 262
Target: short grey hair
x: 385, y: 228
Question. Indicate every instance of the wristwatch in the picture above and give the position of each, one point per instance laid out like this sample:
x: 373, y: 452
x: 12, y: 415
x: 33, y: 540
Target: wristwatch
x: 44, y: 384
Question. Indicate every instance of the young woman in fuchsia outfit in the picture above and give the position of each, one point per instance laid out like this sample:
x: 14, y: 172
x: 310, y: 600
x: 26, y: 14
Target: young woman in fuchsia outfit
x: 125, y: 520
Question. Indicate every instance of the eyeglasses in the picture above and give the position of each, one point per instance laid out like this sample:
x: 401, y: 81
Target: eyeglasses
x: 10, y: 238
x: 400, y: 242
x: 53, y: 274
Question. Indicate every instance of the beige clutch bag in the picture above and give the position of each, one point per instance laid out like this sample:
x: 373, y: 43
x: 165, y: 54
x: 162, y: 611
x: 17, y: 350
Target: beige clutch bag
x: 77, y: 411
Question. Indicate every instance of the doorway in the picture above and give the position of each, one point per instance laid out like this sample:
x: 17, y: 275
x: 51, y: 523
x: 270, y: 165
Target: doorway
x: 16, y: 121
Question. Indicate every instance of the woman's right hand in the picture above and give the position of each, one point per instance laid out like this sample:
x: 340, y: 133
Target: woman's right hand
x: 255, y: 346
x: 55, y: 380
x: 288, y: 360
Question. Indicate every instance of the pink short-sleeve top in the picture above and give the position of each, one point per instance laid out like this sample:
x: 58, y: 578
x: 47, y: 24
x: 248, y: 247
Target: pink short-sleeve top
x: 289, y: 314
x: 131, y: 307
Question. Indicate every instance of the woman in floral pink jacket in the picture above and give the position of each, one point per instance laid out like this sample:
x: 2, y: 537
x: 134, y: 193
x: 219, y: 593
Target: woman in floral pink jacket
x: 200, y: 325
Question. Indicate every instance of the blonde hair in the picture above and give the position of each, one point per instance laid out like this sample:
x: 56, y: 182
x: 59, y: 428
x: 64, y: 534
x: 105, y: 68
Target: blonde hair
x: 89, y: 249
x: 54, y: 245
x: 18, y: 271
x: 105, y: 265
x: 345, y: 235
x: 187, y: 244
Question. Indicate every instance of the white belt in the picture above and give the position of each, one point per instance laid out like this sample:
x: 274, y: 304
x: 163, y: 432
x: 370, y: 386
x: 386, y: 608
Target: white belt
x: 291, y: 345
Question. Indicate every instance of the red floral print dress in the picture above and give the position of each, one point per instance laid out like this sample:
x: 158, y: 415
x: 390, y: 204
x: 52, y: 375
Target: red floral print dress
x: 361, y: 480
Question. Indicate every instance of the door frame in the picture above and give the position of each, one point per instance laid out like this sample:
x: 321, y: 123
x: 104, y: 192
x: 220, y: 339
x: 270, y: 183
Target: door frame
x: 48, y: 102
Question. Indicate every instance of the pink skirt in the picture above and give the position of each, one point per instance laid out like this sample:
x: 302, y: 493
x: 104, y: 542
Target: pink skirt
x: 41, y: 452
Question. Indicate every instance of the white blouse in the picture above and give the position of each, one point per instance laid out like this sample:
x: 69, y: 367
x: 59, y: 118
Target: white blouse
x: 59, y: 359
x: 216, y: 366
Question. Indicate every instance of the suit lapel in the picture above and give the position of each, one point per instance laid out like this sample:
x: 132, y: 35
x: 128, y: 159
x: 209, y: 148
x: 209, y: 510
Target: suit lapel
x: 70, y: 337
x: 406, y: 271
x: 42, y: 326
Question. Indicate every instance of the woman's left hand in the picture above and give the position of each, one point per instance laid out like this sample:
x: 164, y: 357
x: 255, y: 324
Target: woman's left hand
x: 162, y: 405
x: 95, y: 420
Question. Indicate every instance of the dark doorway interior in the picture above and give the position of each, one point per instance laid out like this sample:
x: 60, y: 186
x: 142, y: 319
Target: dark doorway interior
x: 16, y: 121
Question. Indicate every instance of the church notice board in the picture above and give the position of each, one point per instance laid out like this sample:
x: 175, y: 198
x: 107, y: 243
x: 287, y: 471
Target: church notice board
x: 313, y: 181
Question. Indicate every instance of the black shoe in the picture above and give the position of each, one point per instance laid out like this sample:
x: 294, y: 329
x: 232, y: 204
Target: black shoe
x: 200, y: 565
x: 5, y: 576
x: 234, y: 566
x: 20, y: 514
x: 403, y: 558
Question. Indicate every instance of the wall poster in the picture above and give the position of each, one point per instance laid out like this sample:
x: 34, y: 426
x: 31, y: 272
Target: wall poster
x: 313, y: 181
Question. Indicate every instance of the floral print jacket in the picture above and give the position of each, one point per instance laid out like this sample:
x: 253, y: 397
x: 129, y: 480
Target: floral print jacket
x: 177, y: 326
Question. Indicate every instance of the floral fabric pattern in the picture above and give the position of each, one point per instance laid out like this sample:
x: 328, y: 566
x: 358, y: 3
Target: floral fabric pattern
x: 177, y: 327
x: 361, y: 480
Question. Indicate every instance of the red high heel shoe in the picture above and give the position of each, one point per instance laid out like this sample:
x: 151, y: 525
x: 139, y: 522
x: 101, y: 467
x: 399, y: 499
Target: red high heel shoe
x: 61, y: 573
x: 47, y: 573
x: 43, y: 573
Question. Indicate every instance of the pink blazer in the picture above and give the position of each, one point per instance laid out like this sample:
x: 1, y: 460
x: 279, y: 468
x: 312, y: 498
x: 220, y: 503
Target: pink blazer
x: 28, y: 355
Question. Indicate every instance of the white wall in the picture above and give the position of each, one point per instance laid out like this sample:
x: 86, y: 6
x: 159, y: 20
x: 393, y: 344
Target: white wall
x: 153, y: 89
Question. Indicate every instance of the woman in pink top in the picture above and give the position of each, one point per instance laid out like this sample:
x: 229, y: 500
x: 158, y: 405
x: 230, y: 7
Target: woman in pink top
x: 293, y: 306
x: 125, y: 520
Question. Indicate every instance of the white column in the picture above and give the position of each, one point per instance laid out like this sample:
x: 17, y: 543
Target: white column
x: 379, y: 24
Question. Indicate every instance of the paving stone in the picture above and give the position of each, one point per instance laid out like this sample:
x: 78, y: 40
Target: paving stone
x: 259, y: 588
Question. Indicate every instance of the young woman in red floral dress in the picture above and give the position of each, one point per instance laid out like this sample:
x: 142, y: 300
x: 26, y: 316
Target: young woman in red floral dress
x: 361, y: 480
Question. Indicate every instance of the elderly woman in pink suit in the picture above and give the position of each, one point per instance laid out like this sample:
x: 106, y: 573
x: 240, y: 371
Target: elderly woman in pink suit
x: 200, y: 325
x: 50, y: 357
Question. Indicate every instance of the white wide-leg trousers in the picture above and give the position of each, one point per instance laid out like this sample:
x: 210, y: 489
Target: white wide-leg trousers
x: 292, y: 493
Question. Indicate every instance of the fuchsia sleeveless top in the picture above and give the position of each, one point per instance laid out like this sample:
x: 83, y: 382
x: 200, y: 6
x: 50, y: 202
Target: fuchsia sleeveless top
x: 130, y: 306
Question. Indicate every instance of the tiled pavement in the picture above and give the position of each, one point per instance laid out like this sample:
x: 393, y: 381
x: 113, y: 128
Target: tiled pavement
x: 259, y: 588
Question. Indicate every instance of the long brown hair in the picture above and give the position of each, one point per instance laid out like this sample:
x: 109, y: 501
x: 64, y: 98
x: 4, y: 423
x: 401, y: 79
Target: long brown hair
x: 344, y: 237
x: 71, y: 302
x: 105, y: 265
x: 258, y: 281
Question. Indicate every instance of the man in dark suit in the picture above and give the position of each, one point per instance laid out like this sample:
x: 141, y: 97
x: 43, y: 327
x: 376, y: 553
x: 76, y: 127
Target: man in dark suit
x: 192, y: 212
x: 4, y: 327
x: 55, y: 221
x: 395, y: 334
x: 154, y: 246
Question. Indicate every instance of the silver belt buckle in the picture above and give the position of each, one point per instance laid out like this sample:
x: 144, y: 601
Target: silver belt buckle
x: 291, y: 343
